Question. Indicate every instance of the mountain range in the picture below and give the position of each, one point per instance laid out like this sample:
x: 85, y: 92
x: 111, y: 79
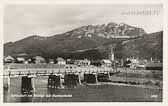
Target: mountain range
x: 92, y: 42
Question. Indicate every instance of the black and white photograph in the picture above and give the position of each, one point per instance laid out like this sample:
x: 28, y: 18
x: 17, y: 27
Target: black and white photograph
x: 82, y: 53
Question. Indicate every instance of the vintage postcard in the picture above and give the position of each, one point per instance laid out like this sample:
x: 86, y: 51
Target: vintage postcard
x: 83, y: 52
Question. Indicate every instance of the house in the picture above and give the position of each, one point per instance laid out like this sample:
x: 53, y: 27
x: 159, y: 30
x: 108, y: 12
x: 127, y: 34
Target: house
x: 70, y: 61
x: 134, y: 63
x: 154, y: 66
x: 82, y: 62
x: 9, y: 59
x: 106, y: 62
x: 39, y: 60
x: 141, y: 64
x: 26, y: 62
x: 61, y: 61
x: 127, y: 63
x: 20, y: 60
x: 96, y: 63
x: 51, y: 61
x: 137, y: 64
x: 31, y: 60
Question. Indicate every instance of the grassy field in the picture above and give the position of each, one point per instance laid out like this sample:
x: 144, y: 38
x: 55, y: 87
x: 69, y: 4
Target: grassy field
x: 148, y: 78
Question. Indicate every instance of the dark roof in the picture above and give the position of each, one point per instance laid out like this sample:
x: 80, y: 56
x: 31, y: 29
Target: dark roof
x: 153, y: 64
x: 60, y: 59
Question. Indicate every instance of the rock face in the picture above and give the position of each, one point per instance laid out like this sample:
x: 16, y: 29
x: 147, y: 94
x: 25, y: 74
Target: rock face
x: 110, y: 30
x: 90, y: 42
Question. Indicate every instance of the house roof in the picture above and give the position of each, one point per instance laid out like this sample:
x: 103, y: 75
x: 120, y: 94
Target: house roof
x: 142, y: 62
x: 135, y: 61
x: 60, y: 59
x: 9, y: 58
x: 107, y: 61
x: 39, y: 58
x: 20, y: 58
x: 85, y: 60
x: 152, y: 64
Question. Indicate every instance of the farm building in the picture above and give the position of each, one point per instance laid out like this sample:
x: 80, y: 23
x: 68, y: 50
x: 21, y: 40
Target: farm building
x: 96, y: 63
x: 154, y: 66
x: 138, y: 64
x: 70, y: 61
x: 9, y: 59
x: 30, y: 60
x: 82, y: 62
x: 127, y: 63
x: 134, y: 63
x: 39, y: 60
x: 20, y: 60
x: 51, y: 61
x: 106, y: 62
x: 61, y: 61
x: 141, y: 64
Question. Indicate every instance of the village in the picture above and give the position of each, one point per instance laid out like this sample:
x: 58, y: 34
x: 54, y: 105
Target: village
x: 132, y: 62
x: 131, y: 71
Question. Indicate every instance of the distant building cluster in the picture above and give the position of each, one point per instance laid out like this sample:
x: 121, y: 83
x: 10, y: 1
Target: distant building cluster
x: 33, y: 60
x: 133, y: 63
x: 59, y: 60
x: 24, y: 60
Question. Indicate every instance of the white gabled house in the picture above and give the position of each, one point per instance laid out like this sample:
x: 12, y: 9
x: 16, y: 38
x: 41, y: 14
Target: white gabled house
x: 39, y: 60
x: 9, y: 59
x: 61, y: 61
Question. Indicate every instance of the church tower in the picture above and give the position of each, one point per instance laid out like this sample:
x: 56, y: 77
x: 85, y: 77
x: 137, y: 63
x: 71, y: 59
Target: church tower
x: 111, y: 55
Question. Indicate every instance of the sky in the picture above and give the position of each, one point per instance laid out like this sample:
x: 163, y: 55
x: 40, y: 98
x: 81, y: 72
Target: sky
x: 21, y: 21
